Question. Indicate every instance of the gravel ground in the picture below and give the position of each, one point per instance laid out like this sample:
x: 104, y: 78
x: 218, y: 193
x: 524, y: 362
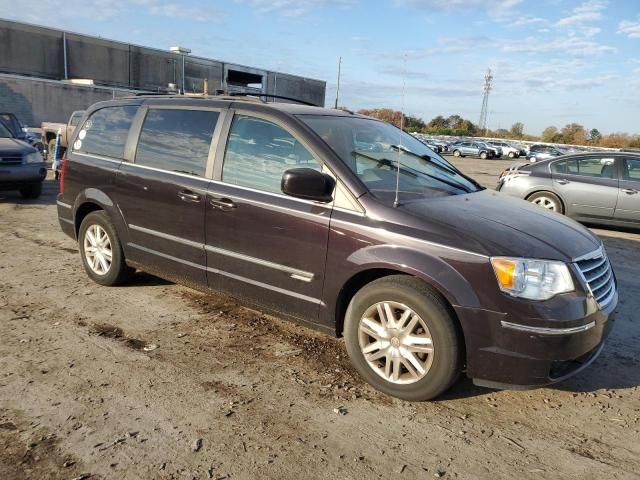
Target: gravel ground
x: 155, y: 380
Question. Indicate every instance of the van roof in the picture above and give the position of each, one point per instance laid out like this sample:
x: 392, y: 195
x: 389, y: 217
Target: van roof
x: 228, y: 100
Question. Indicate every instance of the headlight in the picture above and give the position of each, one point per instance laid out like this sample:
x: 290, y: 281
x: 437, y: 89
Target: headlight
x: 34, y: 157
x: 532, y: 279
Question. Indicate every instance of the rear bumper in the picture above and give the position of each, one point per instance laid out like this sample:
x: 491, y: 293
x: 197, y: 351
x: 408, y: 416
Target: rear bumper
x: 16, y: 176
x: 504, y: 352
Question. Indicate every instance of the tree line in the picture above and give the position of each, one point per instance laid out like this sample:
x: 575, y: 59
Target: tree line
x: 455, y: 125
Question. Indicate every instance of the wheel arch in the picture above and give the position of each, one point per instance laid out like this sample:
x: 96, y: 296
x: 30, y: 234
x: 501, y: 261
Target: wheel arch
x: 364, y: 277
x: 82, y: 211
x: 452, y: 290
x: 92, y: 199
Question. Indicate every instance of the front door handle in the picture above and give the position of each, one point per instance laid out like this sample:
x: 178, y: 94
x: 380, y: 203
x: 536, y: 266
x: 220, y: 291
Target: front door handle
x: 224, y: 204
x: 562, y: 181
x: 189, y: 196
x: 630, y: 191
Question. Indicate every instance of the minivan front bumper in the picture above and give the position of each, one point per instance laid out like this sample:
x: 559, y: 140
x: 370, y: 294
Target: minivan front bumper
x: 504, y: 352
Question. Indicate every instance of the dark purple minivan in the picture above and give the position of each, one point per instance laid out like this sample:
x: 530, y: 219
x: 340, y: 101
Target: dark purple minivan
x: 345, y: 223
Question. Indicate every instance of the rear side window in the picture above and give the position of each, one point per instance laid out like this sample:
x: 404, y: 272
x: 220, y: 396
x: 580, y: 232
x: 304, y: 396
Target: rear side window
x: 632, y: 169
x: 587, y: 167
x: 105, y: 131
x: 259, y: 152
x: 176, y: 140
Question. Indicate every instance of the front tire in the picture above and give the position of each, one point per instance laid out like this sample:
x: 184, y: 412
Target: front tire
x: 547, y: 200
x: 483, y: 155
x: 101, y: 251
x: 403, y: 339
x: 456, y: 153
x: 32, y: 191
x: 512, y: 155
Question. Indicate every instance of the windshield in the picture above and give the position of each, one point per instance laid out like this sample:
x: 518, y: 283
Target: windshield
x: 373, y: 150
x: 4, y: 131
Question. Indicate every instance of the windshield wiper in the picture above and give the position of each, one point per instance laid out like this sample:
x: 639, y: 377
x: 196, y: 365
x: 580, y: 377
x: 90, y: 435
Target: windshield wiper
x: 410, y: 171
x: 426, y: 158
x: 431, y: 161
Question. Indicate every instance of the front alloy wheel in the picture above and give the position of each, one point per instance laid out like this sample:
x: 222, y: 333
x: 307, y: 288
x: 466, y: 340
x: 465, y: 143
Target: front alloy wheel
x: 395, y: 342
x: 97, y: 249
x: 402, y: 338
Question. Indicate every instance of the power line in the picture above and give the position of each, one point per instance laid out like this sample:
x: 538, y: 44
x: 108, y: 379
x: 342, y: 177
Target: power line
x: 488, y: 78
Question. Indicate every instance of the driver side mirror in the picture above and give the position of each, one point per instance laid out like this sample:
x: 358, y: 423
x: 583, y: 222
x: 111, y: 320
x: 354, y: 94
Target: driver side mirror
x: 308, y: 184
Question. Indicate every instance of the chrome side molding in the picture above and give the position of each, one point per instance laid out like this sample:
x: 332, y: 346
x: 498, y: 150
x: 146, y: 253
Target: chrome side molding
x: 547, y: 330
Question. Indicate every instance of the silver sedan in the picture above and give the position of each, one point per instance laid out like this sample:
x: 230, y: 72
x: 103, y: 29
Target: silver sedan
x: 594, y: 187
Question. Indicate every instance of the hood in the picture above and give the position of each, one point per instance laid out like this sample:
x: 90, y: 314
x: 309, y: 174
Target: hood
x: 13, y: 146
x: 492, y: 223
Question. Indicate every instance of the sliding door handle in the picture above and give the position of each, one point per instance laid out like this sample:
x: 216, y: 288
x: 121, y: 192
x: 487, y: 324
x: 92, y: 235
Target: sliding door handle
x: 224, y: 204
x: 630, y: 191
x: 189, y: 196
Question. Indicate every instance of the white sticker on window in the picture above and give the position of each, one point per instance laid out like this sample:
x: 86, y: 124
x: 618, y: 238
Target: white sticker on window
x: 77, y: 145
x: 82, y: 134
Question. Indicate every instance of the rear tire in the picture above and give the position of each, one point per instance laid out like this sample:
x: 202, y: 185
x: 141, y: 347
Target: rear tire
x: 456, y: 153
x: 101, y: 251
x: 384, y: 361
x: 31, y: 191
x: 547, y: 200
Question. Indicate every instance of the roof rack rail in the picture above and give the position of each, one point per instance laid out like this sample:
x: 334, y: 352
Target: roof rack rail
x: 268, y: 95
x: 221, y: 95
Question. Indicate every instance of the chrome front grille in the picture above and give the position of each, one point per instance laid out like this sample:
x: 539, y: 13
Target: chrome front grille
x: 11, y: 160
x: 598, y: 275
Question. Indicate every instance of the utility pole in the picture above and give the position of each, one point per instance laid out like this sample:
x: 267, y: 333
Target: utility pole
x: 338, y: 83
x: 183, y: 52
x: 488, y: 78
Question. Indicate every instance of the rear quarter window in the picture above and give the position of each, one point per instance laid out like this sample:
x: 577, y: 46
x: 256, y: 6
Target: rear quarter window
x: 105, y: 132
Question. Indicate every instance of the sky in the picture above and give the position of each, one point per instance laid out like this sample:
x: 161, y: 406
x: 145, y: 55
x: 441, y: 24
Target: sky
x: 553, y: 61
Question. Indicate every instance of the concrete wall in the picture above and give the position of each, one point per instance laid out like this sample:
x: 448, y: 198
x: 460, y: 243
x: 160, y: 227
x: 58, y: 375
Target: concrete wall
x: 27, y: 50
x: 307, y: 89
x: 35, y: 101
x: 39, y: 52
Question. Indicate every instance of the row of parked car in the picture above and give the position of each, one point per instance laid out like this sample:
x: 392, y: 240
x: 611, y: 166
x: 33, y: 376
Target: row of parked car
x: 488, y: 149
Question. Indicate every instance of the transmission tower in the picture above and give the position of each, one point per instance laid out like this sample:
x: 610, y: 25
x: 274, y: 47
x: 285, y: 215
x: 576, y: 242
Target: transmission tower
x: 485, y: 101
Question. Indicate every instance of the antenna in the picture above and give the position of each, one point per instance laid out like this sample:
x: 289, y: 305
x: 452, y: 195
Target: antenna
x: 482, y: 124
x: 404, y: 77
x: 338, y: 83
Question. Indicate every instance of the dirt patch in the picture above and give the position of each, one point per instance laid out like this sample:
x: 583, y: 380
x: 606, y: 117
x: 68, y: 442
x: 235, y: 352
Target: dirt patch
x: 322, y: 353
x: 116, y: 333
x: 30, y: 451
x: 45, y: 243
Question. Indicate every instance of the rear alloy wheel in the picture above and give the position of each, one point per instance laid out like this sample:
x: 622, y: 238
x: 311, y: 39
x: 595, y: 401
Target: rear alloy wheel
x: 456, y: 153
x: 483, y: 155
x: 101, y: 251
x: 547, y: 200
x: 402, y: 338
